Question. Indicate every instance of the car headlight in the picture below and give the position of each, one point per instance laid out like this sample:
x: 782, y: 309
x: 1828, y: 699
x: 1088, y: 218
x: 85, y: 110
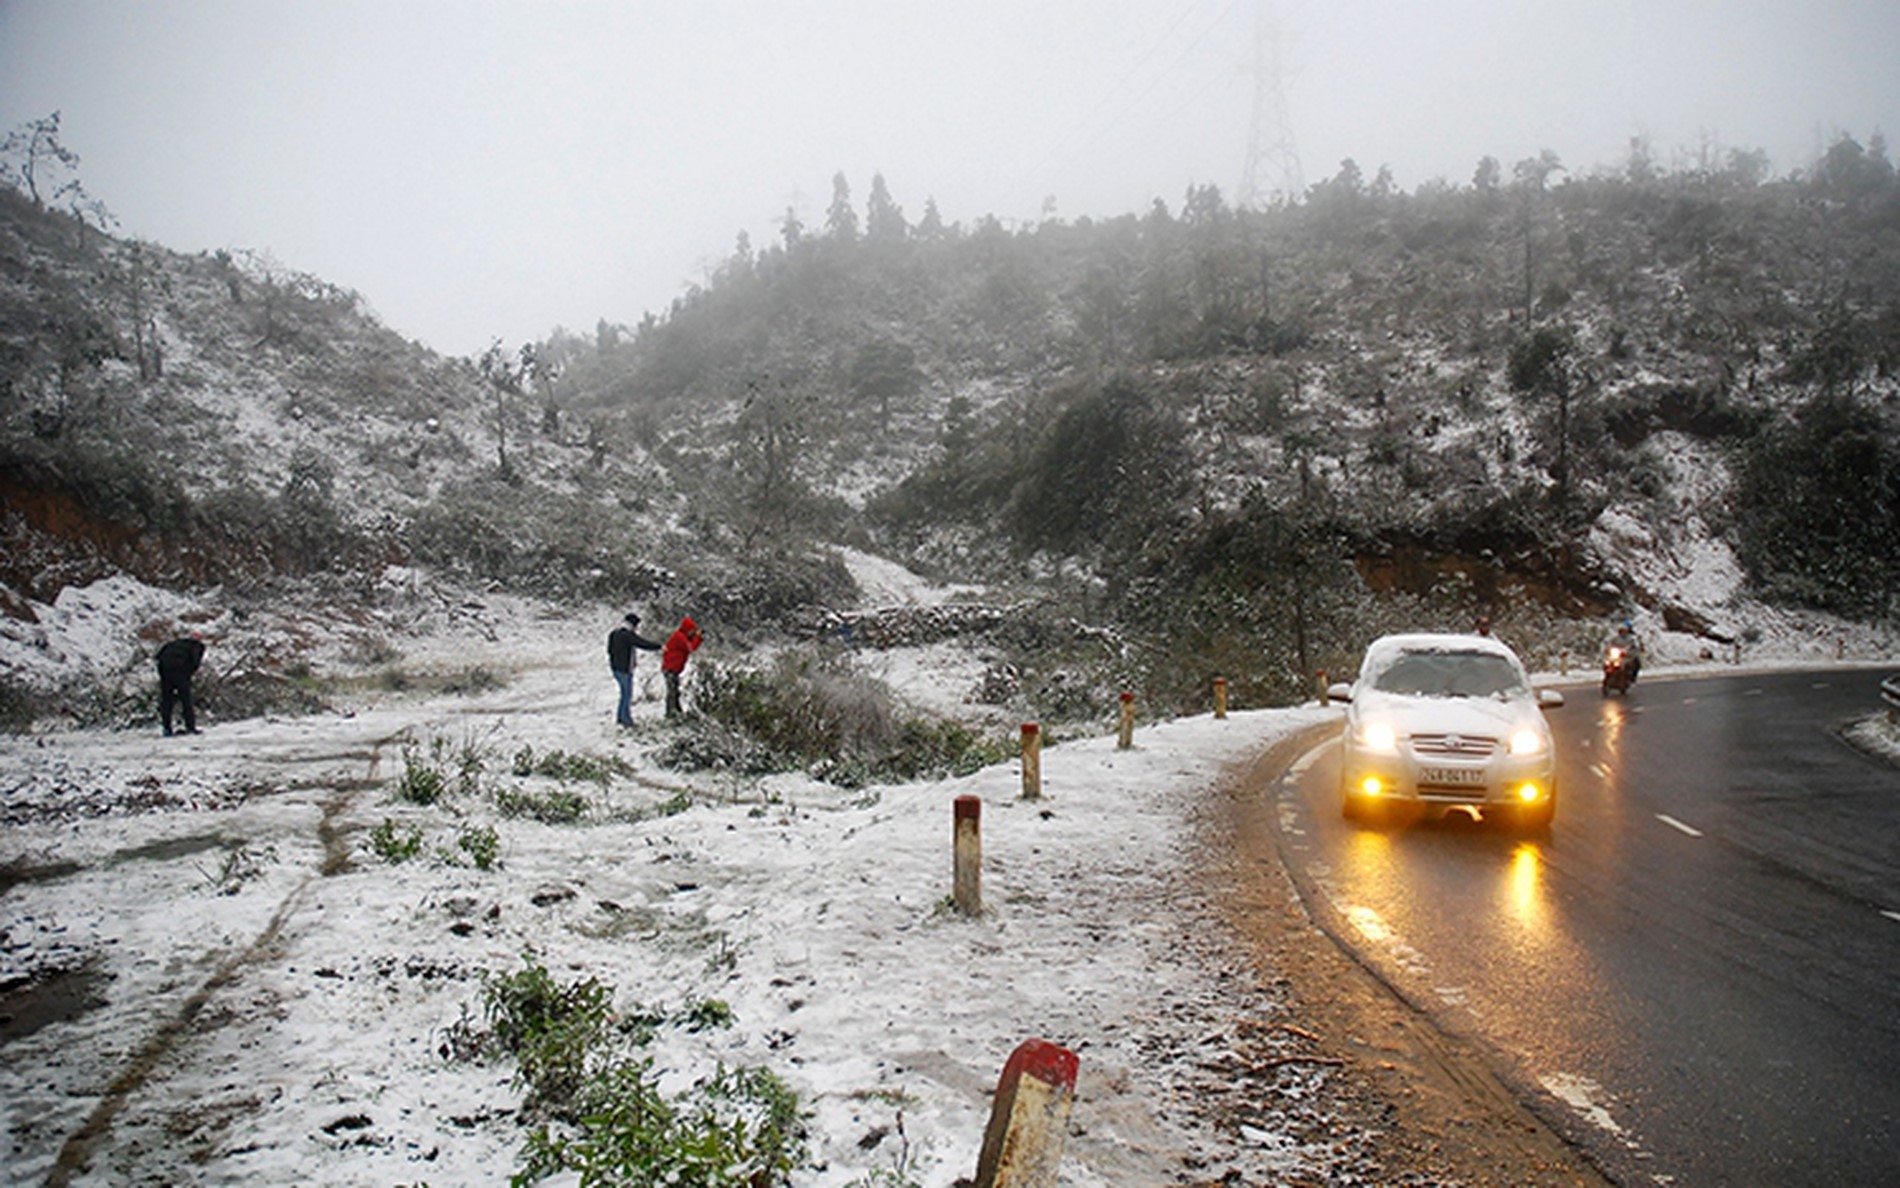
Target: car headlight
x: 1527, y: 742
x: 1379, y: 736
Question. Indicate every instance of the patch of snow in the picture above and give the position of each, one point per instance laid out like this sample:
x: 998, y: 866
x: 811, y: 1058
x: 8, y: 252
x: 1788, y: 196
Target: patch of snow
x: 885, y: 583
x: 208, y: 911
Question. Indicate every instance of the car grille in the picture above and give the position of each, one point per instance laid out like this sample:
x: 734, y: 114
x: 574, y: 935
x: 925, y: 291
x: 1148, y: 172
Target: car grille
x: 1462, y: 746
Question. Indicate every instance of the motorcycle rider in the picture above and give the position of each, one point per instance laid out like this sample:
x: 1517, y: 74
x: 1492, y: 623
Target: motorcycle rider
x: 1625, y: 641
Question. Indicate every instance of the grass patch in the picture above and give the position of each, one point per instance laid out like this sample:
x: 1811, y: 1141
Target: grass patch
x: 604, y: 1115
x: 559, y: 806
x: 570, y: 767
x: 395, y: 843
x: 479, y: 846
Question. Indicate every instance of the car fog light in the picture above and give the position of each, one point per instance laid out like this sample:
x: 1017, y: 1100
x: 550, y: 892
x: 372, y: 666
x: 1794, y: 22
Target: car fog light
x: 1372, y: 786
x: 1529, y: 793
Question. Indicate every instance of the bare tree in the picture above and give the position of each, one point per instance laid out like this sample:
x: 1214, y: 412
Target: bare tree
x: 32, y: 151
x: 507, y: 377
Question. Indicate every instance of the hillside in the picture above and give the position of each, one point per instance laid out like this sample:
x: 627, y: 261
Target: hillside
x: 1239, y: 441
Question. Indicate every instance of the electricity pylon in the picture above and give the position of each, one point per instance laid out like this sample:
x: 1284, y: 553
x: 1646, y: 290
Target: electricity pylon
x: 1273, y: 160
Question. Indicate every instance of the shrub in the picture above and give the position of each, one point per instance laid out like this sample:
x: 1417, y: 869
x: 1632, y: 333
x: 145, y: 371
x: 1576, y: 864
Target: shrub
x: 608, y: 1119
x: 568, y: 767
x: 740, y: 1128
x: 481, y: 845
x: 395, y: 843
x: 550, y: 1029
x: 559, y: 807
x: 813, y: 711
x: 420, y: 782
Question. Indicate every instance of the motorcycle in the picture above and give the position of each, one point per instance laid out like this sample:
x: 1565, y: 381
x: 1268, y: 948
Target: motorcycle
x: 1619, y: 670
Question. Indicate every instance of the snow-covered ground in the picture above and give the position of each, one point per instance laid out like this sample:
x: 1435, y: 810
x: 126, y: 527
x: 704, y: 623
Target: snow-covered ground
x: 211, y: 977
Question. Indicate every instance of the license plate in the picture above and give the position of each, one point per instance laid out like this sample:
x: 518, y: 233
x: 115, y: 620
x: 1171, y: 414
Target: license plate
x: 1457, y: 777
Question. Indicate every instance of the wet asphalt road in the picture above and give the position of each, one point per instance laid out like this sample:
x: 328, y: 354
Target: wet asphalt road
x: 1696, y: 975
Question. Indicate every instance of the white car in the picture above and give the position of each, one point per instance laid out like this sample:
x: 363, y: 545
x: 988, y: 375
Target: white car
x: 1442, y: 722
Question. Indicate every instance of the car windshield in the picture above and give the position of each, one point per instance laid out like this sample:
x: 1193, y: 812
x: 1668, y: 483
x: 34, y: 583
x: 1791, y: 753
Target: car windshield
x: 1449, y: 674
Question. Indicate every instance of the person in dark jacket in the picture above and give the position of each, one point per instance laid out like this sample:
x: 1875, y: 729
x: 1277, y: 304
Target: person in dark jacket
x: 682, y: 643
x: 621, y: 642
x: 177, y: 661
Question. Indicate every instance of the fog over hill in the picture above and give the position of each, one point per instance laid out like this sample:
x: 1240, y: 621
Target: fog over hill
x: 1236, y: 441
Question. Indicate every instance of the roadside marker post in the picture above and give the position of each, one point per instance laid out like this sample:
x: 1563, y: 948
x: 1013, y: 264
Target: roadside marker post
x: 967, y: 845
x: 1032, y: 761
x: 1127, y: 738
x: 1220, y: 698
x: 1319, y: 683
x: 1029, y: 1118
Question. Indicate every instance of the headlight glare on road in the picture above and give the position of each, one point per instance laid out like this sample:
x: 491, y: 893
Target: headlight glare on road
x: 1526, y: 742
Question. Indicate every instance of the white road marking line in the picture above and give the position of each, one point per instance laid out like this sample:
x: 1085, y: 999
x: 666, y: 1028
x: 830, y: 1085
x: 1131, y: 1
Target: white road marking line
x: 1670, y: 821
x: 1895, y: 916
x: 1601, y: 770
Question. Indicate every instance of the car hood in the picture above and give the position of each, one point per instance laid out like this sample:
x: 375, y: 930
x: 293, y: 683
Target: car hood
x: 1447, y: 715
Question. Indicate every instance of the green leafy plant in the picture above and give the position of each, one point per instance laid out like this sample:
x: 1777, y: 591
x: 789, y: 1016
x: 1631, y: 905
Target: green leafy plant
x: 570, y: 767
x: 421, y: 782
x: 549, y: 1028
x: 394, y: 843
x: 480, y: 845
x: 557, y: 807
x: 739, y: 1128
x: 705, y: 1015
x: 605, y: 1115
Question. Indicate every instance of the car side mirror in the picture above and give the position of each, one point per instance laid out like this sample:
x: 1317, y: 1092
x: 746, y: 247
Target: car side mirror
x: 1549, y: 699
x: 1339, y: 691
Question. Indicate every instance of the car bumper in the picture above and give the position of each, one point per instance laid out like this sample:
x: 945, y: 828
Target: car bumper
x: 1505, y: 780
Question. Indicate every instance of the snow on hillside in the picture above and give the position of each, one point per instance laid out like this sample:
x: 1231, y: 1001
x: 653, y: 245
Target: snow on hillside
x: 220, y: 966
x: 207, y: 961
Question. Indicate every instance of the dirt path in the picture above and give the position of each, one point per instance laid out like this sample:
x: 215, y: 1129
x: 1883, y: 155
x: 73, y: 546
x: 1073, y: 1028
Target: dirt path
x: 1432, y: 1110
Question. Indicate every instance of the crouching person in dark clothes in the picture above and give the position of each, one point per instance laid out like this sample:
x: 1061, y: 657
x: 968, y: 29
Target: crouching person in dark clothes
x: 177, y: 661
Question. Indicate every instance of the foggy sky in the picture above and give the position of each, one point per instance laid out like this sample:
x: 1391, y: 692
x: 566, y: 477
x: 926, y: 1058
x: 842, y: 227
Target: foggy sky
x: 482, y: 170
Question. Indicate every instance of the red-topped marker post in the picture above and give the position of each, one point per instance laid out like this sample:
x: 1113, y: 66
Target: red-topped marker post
x: 1220, y: 698
x: 1032, y: 761
x: 1127, y: 738
x: 1029, y: 1119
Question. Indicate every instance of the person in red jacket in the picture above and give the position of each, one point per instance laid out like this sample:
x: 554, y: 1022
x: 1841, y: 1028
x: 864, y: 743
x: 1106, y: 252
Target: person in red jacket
x: 682, y: 643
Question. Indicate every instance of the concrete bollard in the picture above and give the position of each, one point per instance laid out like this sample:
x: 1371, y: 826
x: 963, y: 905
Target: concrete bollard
x: 1319, y: 684
x: 1029, y: 1118
x: 1126, y: 739
x: 967, y: 844
x: 1032, y: 761
x: 1220, y: 698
